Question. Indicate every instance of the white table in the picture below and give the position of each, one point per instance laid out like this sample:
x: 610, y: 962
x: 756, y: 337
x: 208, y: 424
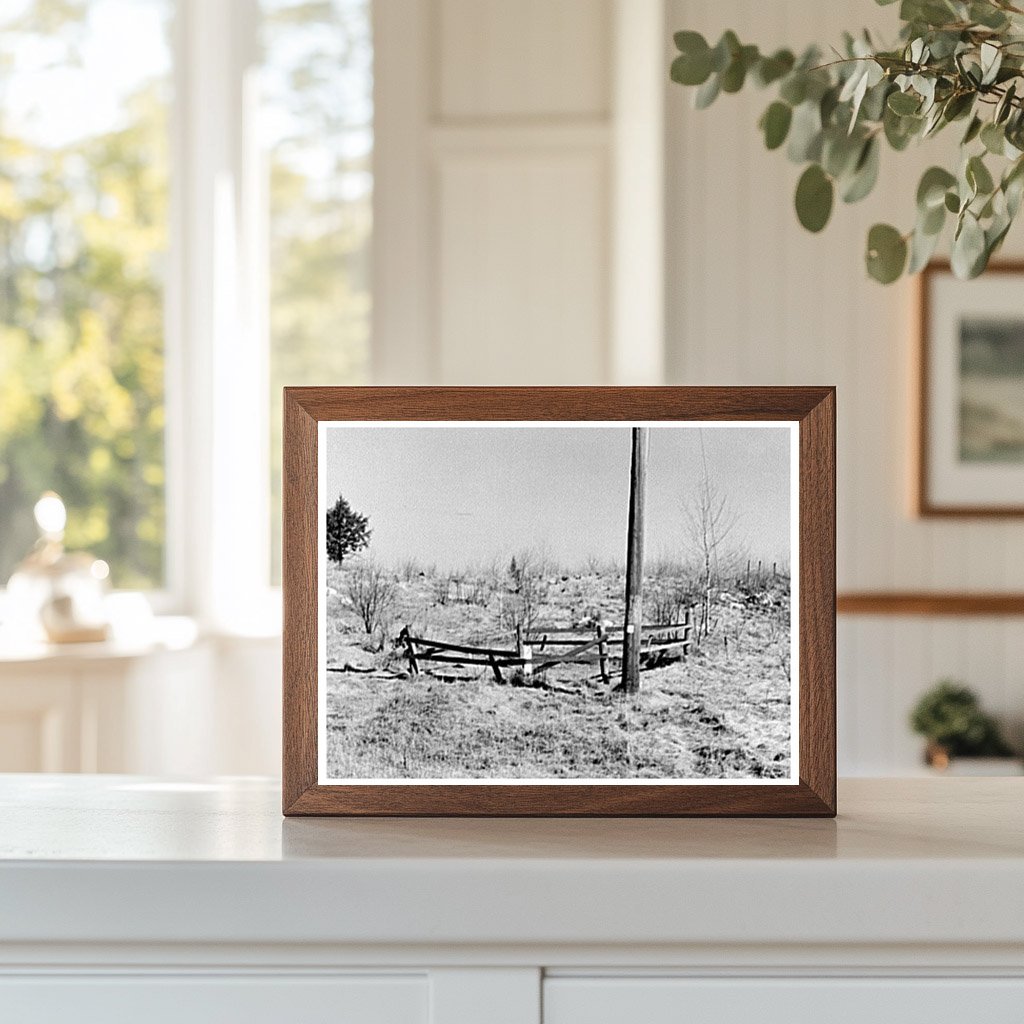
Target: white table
x: 125, y: 898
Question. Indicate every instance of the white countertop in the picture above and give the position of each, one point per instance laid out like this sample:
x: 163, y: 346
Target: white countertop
x: 121, y: 859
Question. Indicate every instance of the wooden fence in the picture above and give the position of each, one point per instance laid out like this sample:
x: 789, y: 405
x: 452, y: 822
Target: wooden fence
x: 541, y: 647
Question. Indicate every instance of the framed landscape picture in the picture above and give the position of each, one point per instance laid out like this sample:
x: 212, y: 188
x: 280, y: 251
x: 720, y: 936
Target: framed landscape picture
x: 970, y: 451
x: 559, y: 601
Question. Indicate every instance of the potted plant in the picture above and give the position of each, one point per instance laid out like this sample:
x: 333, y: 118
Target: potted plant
x: 950, y: 717
x: 957, y: 62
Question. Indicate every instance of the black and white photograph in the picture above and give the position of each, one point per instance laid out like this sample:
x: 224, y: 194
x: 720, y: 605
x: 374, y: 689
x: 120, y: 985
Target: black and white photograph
x: 571, y: 602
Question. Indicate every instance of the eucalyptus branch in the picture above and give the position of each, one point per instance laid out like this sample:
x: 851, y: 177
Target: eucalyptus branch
x: 954, y: 60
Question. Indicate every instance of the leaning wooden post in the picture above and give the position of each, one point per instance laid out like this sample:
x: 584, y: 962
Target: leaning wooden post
x: 635, y: 562
x: 410, y: 650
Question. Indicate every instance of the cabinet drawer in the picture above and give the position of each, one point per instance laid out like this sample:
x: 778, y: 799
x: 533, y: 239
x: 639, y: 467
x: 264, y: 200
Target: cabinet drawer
x: 202, y: 999
x: 783, y: 1001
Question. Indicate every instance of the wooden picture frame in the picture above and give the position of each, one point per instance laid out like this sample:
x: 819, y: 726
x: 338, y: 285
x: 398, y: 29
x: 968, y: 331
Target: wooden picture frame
x: 940, y: 488
x: 809, y: 791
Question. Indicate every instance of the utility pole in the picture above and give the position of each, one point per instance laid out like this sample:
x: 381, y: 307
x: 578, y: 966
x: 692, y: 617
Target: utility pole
x: 635, y: 562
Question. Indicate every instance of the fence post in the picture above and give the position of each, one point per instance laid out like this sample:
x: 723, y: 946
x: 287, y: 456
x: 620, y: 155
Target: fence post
x: 687, y: 630
x: 525, y: 653
x: 410, y: 650
x: 495, y: 669
x: 602, y: 652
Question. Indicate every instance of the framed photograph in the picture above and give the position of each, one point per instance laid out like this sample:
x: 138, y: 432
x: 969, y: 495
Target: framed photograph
x: 970, y: 450
x: 559, y: 601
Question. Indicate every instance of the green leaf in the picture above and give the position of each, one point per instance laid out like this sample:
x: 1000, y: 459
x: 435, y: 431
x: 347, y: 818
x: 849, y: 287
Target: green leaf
x: 958, y: 105
x: 932, y: 221
x: 900, y: 130
x: 985, y: 14
x: 814, y: 195
x: 973, y: 130
x: 991, y: 61
x: 794, y: 89
x: 775, y: 124
x: 840, y: 152
x: 725, y: 50
x: 771, y: 69
x: 969, y: 253
x: 805, y: 133
x: 865, y: 173
x: 693, y: 65
x: 993, y: 138
x: 952, y: 202
x: 1005, y: 104
x: 887, y: 253
x: 735, y: 74
x: 978, y: 176
x: 904, y: 103
x: 707, y: 93
x: 934, y: 184
x: 922, y: 247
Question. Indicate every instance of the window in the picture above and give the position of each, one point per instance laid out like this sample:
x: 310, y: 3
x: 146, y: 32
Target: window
x: 83, y: 234
x: 185, y: 221
x: 317, y: 87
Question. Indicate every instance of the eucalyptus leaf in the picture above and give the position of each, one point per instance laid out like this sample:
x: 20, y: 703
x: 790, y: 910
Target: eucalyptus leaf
x: 993, y: 138
x: 991, y: 61
x: 987, y: 15
x: 968, y: 248
x: 707, y: 93
x: 922, y: 248
x: 931, y: 191
x: 814, y: 197
x: 794, y: 88
x: 1005, y: 105
x: 903, y: 103
x: 886, y: 253
x: 775, y: 124
x: 805, y: 133
x: 973, y: 130
x: 865, y: 173
x: 771, y: 69
x: 724, y: 51
x: 979, y: 177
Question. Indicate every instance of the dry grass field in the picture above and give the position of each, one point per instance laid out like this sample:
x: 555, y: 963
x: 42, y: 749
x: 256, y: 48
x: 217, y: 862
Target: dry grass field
x: 723, y: 712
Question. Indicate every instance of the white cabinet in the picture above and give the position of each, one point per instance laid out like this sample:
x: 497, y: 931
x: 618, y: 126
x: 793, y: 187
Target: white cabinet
x: 216, y: 1000
x: 133, y: 899
x: 829, y: 1000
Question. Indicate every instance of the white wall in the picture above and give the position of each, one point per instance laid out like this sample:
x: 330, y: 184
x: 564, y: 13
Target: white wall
x: 754, y: 299
x: 505, y: 134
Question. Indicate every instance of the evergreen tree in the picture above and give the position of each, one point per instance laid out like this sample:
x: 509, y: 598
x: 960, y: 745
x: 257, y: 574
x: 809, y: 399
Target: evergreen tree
x: 347, y: 531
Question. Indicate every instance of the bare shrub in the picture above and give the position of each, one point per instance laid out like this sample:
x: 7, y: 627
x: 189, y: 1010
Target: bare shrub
x: 409, y: 569
x: 525, y: 592
x: 670, y: 599
x: 442, y: 585
x: 372, y: 593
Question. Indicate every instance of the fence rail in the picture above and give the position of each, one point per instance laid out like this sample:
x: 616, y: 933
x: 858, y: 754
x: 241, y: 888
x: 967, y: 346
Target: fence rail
x: 538, y: 648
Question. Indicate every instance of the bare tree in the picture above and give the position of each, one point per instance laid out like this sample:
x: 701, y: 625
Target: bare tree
x: 525, y: 592
x: 372, y: 594
x: 711, y: 521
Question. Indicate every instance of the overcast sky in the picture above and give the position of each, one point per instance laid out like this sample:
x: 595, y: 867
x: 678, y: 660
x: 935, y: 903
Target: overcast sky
x: 460, y: 495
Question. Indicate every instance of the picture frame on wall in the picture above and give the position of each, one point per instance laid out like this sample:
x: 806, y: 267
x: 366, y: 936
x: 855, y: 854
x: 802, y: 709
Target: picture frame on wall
x: 970, y: 382
x: 559, y: 601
